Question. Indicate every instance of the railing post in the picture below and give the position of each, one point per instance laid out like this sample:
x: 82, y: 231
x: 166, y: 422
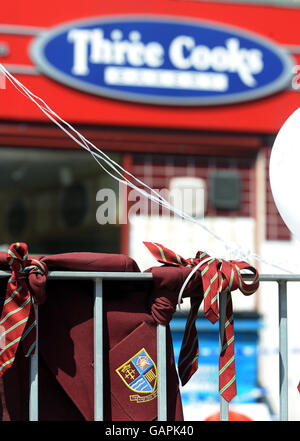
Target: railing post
x: 283, y: 350
x: 33, y: 377
x: 161, y: 374
x: 98, y: 350
x: 224, y: 406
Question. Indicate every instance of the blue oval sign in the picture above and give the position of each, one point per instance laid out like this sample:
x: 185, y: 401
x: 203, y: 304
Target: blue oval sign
x: 162, y: 60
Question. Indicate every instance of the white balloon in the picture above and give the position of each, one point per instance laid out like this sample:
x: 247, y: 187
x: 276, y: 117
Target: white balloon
x: 284, y: 172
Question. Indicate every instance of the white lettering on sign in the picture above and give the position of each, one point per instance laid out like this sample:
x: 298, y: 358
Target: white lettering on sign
x: 80, y: 38
x: 165, y: 78
x: 90, y: 46
x: 184, y: 54
x: 115, y: 51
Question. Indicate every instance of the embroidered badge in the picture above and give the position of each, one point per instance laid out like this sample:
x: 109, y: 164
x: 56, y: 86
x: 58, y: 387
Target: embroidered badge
x: 140, y: 375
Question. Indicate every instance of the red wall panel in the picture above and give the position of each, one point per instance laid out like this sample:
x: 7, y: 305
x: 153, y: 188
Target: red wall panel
x: 264, y: 115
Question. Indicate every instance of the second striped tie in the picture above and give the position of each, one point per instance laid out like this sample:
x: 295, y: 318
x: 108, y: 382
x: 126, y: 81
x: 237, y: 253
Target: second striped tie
x: 219, y: 277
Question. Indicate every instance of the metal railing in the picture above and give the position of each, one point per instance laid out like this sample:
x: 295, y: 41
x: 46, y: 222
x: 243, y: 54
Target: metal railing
x: 98, y: 278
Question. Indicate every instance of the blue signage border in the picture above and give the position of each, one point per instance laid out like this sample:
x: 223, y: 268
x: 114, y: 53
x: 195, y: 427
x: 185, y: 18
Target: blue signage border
x: 283, y: 81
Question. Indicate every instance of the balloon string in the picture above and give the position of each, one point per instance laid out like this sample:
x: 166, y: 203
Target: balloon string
x: 117, y: 172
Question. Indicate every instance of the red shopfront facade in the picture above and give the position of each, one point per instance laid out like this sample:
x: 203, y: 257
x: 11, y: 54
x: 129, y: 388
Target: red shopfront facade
x: 184, y: 131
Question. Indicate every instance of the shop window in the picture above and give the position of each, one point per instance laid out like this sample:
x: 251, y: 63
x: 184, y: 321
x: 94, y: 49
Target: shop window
x: 233, y: 221
x: 228, y: 182
x: 189, y: 194
x: 226, y: 190
x: 238, y: 192
x: 48, y: 200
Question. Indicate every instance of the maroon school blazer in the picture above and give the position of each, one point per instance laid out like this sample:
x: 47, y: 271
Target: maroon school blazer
x: 66, y: 373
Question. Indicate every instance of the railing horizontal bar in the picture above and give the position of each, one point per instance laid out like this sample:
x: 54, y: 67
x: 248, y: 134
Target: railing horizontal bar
x: 147, y: 276
x: 274, y: 277
x: 100, y: 275
x: 91, y: 275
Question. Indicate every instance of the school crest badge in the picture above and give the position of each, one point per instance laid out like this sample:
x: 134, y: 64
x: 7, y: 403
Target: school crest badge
x: 139, y: 373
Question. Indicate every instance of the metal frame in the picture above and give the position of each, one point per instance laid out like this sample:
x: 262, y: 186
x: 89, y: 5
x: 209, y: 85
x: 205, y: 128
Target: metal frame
x: 98, y: 278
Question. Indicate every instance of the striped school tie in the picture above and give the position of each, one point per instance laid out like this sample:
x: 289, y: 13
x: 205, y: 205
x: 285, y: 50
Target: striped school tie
x: 18, y: 321
x: 219, y: 277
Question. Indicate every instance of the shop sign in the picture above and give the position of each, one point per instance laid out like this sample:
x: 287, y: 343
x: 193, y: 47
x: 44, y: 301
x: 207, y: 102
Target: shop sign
x: 163, y: 60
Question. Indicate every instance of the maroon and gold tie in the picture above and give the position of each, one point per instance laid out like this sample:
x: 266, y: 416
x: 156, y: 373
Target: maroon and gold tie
x: 219, y: 277
x: 18, y: 321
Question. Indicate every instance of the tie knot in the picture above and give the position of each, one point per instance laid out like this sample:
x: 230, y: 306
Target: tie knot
x: 232, y: 277
x: 200, y: 259
x: 17, y: 255
x: 229, y: 276
x: 34, y: 266
x: 20, y: 264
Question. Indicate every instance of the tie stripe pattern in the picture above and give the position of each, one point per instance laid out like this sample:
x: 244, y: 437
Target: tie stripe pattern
x: 227, y: 379
x: 189, y: 352
x: 219, y: 277
x: 18, y: 321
